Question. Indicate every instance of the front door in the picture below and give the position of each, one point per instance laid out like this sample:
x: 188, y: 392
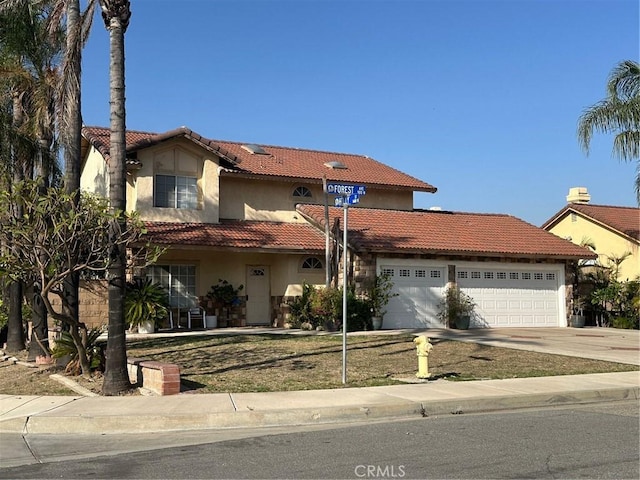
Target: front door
x: 258, y: 295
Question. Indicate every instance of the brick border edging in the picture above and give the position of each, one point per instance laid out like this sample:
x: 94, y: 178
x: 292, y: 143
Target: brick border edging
x: 158, y: 377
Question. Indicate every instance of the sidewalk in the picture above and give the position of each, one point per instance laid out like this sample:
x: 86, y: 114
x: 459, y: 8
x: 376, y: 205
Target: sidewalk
x: 135, y: 414
x: 138, y: 414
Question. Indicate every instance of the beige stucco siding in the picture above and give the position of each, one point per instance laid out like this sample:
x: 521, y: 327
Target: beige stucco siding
x: 177, y: 158
x: 246, y: 199
x: 607, y: 242
x: 95, y: 175
x: 284, y: 269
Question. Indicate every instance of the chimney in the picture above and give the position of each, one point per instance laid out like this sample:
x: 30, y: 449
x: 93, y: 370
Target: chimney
x: 578, y: 195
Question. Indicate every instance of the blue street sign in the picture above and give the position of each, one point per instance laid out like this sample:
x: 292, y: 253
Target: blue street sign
x: 349, y: 200
x: 345, y: 190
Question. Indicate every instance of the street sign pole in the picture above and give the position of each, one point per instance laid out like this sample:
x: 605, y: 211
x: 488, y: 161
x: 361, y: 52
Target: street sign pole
x: 345, y: 207
x: 346, y: 194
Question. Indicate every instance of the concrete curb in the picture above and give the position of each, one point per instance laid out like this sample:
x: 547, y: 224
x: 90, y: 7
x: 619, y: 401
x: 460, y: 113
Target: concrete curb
x: 69, y: 383
x: 148, y: 423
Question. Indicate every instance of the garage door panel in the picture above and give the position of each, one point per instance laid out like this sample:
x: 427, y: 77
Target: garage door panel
x: 410, y: 309
x: 512, y: 296
x: 419, y: 289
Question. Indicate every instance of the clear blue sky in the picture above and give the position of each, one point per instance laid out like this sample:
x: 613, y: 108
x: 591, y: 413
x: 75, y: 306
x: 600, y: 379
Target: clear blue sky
x: 480, y: 98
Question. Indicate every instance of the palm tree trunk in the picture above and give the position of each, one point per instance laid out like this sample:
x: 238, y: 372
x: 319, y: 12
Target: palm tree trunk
x: 15, y: 333
x: 116, y: 17
x: 71, y: 134
x: 15, y: 329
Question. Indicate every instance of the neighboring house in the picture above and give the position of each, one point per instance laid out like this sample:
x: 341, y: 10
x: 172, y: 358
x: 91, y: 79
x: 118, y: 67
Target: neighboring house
x: 614, y: 231
x: 253, y: 215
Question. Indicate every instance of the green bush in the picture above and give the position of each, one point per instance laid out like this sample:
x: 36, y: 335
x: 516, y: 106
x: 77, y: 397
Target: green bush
x: 301, y: 306
x: 145, y: 301
x: 224, y: 292
x: 624, y: 322
x: 618, y: 301
x: 4, y: 314
x: 65, y: 346
x: 322, y: 307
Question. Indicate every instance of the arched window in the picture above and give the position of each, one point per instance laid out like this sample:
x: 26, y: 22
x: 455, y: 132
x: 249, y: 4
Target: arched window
x: 302, y: 191
x: 312, y: 263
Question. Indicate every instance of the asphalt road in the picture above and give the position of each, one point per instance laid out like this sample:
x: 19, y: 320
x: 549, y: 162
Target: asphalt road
x: 596, y: 441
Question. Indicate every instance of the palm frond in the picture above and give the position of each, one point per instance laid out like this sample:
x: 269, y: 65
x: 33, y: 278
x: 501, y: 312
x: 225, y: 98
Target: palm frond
x: 624, y: 80
x: 608, y: 116
x: 626, y: 145
x: 617, y: 114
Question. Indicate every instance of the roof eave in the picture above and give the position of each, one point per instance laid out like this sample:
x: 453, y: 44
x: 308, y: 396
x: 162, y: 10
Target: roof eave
x: 263, y: 249
x: 190, y: 135
x: 471, y: 253
x: 227, y: 172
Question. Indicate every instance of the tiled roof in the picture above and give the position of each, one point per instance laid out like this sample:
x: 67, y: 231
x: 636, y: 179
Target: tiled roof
x: 625, y: 220
x: 279, y: 162
x: 442, y: 232
x: 100, y: 138
x: 238, y: 234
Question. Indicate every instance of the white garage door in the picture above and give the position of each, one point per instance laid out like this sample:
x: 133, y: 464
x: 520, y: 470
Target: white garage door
x: 512, y: 296
x: 419, y: 289
x: 508, y: 295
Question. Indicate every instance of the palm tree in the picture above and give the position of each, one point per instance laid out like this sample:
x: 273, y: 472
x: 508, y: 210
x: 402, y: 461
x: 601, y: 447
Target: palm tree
x: 116, y: 14
x: 78, y: 25
x: 29, y: 74
x: 618, y: 113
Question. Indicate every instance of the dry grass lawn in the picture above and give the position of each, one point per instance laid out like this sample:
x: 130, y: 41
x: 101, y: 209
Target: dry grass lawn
x: 263, y: 363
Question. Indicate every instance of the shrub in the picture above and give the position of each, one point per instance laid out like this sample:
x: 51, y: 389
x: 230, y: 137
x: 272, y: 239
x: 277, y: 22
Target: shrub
x: 145, y: 301
x: 624, y: 322
x: 454, y: 304
x: 65, y: 346
x: 379, y: 293
x: 322, y: 307
x: 224, y: 292
x: 301, y: 306
x: 4, y: 314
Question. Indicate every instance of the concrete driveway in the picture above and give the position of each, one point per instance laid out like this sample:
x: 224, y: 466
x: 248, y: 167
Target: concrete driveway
x: 610, y: 344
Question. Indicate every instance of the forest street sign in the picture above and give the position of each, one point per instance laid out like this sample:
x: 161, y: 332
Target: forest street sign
x: 345, y: 190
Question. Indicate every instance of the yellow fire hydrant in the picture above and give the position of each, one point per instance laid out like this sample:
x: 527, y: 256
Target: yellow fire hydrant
x: 424, y: 347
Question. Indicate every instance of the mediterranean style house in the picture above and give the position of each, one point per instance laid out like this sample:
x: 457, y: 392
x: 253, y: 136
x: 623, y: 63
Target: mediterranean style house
x: 257, y: 215
x: 613, y: 231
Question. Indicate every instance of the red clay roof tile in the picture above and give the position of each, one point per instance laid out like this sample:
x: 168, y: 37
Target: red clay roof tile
x: 443, y: 232
x: 238, y: 234
x: 284, y: 162
x: 625, y: 220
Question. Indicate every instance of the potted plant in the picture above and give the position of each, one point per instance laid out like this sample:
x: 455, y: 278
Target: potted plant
x: 456, y: 308
x: 145, y: 304
x: 379, y: 292
x: 577, y: 318
x: 224, y: 295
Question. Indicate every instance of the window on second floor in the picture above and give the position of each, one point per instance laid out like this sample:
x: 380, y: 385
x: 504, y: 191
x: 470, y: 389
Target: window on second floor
x: 173, y: 191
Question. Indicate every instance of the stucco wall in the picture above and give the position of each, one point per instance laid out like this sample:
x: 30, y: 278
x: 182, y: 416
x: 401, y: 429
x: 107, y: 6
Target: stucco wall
x: 95, y: 175
x: 284, y: 269
x: 177, y: 157
x: 606, y: 242
x: 251, y: 199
